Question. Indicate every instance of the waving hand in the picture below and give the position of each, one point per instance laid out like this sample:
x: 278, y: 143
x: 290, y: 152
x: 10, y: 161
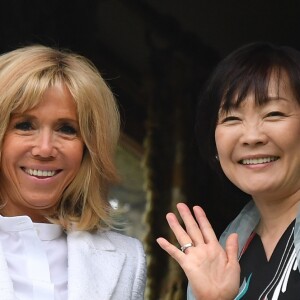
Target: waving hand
x: 213, y: 273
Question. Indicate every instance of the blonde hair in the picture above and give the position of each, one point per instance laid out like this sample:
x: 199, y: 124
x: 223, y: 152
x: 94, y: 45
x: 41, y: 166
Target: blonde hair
x: 25, y: 74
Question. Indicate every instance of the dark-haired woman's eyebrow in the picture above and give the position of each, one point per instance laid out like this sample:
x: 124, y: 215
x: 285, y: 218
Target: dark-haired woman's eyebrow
x: 275, y: 98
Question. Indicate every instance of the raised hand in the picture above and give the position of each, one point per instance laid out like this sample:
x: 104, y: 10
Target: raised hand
x: 213, y: 273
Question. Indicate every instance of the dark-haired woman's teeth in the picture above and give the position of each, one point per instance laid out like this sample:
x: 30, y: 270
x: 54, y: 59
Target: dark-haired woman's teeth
x: 255, y: 161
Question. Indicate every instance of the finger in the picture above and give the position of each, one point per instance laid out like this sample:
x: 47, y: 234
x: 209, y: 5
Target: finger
x: 207, y: 231
x: 170, y: 249
x: 192, y: 227
x: 232, y: 247
x: 179, y: 232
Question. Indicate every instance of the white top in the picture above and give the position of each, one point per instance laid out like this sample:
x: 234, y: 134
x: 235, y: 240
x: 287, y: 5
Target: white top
x: 36, y: 255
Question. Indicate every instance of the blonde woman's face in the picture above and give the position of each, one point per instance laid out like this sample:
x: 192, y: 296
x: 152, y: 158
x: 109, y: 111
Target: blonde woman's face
x: 42, y: 153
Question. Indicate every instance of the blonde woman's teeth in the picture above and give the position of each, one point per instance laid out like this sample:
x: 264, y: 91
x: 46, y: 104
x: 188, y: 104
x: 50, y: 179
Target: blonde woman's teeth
x: 40, y: 173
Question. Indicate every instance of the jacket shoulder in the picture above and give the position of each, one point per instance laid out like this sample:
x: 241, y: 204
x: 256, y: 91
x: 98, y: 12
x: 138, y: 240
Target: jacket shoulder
x: 121, y: 241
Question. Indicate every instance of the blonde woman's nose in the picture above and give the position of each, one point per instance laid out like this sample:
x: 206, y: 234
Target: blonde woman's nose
x: 44, y: 144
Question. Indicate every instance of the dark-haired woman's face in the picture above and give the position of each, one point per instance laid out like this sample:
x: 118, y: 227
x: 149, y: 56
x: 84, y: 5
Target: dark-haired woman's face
x: 259, y: 146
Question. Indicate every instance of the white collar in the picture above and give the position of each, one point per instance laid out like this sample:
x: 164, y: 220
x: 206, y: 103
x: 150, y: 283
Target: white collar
x: 45, y: 231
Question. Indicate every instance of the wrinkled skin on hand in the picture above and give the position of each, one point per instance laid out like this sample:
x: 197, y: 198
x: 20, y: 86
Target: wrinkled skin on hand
x: 213, y: 273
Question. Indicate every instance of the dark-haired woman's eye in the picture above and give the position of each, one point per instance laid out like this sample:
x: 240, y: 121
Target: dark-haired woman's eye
x: 24, y: 126
x: 229, y: 119
x: 275, y: 114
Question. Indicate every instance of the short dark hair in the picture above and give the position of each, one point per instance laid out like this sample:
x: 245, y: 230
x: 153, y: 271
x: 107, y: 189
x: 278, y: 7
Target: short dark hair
x: 246, y: 70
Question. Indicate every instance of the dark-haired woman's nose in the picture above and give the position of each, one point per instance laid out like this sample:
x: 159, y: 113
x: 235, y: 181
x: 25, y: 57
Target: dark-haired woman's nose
x: 253, y: 135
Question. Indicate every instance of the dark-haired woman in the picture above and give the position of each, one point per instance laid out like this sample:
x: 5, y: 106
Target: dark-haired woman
x: 248, y: 125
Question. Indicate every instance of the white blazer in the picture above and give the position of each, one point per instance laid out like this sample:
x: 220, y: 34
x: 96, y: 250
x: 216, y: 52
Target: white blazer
x: 101, y: 266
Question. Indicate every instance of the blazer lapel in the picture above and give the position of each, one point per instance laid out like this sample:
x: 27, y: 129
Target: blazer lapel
x: 94, y: 266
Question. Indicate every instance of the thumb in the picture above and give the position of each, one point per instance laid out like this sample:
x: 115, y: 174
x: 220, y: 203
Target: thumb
x: 232, y: 247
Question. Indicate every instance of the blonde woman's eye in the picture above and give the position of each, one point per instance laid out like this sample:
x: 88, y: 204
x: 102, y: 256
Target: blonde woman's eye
x: 24, y: 126
x: 68, y: 129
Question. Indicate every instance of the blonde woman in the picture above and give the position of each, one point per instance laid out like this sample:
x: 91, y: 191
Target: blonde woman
x: 59, y: 125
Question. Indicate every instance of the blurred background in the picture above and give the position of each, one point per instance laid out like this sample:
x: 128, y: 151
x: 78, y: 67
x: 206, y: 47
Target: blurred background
x: 156, y: 55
